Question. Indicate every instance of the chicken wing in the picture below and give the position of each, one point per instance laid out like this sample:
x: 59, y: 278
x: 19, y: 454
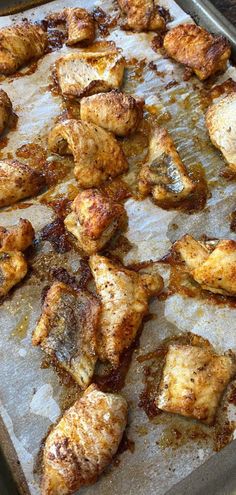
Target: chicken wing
x: 94, y: 220
x: 124, y: 296
x: 80, y: 25
x: 142, y: 15
x: 18, y: 181
x: 19, y: 44
x: 114, y: 111
x: 199, y: 50
x: 17, y: 238
x: 193, y: 381
x: 164, y: 175
x: 67, y: 330
x: 221, y: 124
x: 6, y: 112
x: 83, y: 443
x: 96, y: 152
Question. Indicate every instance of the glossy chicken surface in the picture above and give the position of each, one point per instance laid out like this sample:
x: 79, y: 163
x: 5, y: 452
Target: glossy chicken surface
x: 18, y: 181
x: 83, y: 443
x: 80, y: 25
x: 141, y: 15
x: 6, y: 112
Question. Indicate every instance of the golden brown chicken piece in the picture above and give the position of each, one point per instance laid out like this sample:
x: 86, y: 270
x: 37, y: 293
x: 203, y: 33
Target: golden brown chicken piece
x: 85, y: 73
x: 164, y: 175
x: 18, y: 181
x: 17, y: 238
x: 83, y: 443
x: 124, y: 297
x: 80, y: 25
x: 199, y: 50
x: 142, y: 15
x: 97, y: 154
x: 114, y: 111
x: 94, y: 219
x: 193, y: 381
x: 225, y: 88
x: 6, y: 112
x: 221, y: 124
x: 67, y: 330
x: 19, y: 44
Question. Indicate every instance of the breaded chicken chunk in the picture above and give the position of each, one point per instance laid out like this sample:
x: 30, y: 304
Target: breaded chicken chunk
x: 67, y: 330
x: 83, y: 443
x: 18, y: 181
x: 97, y: 154
x: 193, y: 381
x: 94, y: 220
x: 199, y: 50
x: 114, y: 111
x: 19, y: 44
x: 6, y: 112
x: 164, y: 175
x: 17, y: 238
x: 142, y: 15
x: 80, y: 25
x: 221, y: 124
x: 124, y: 297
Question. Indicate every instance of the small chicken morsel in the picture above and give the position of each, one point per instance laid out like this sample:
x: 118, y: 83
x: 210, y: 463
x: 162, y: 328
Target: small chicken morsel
x: 97, y: 154
x: 94, y: 220
x: 83, y: 443
x: 6, y: 112
x: 142, y: 15
x: 114, y: 111
x: 19, y: 44
x: 17, y: 238
x: 80, y: 25
x: 193, y: 381
x: 214, y: 270
x: 18, y: 181
x: 85, y: 73
x: 67, y: 330
x: 221, y: 124
x: 164, y: 175
x: 124, y: 297
x: 225, y: 88
x: 199, y: 50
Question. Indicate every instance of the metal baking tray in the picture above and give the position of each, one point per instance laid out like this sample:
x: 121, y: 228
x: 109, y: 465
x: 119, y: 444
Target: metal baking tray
x: 217, y: 476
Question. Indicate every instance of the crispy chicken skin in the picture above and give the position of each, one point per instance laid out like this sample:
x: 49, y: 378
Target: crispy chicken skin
x: 19, y: 44
x: 142, y: 15
x: 124, y: 297
x: 67, y: 330
x: 199, y: 50
x: 193, y: 381
x: 221, y: 124
x: 80, y: 25
x: 97, y: 154
x: 18, y: 181
x: 114, y: 111
x: 6, y: 112
x: 17, y: 238
x: 94, y: 220
x: 164, y: 175
x: 83, y: 443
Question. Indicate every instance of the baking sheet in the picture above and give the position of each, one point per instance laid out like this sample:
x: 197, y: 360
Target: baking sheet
x: 31, y: 396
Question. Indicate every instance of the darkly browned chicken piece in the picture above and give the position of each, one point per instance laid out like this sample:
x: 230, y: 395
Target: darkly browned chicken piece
x: 18, y: 181
x: 142, y: 15
x: 199, y: 50
x: 225, y: 88
x: 19, y: 44
x: 80, y: 25
x: 6, y: 112
x: 18, y: 238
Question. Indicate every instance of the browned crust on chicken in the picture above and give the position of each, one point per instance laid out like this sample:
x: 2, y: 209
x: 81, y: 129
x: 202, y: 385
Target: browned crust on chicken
x: 6, y: 112
x: 225, y: 88
x: 142, y: 15
x: 18, y: 181
x: 80, y: 25
x: 18, y: 238
x: 13, y: 269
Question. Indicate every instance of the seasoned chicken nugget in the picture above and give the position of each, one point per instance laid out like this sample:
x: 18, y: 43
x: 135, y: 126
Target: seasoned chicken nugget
x: 13, y: 269
x: 17, y: 238
x: 6, y: 112
x: 18, y: 181
x: 80, y: 25
x: 142, y: 15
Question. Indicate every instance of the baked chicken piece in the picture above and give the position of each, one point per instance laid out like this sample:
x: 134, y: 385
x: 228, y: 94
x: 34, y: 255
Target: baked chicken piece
x: 85, y: 73
x: 97, y: 154
x: 164, y: 175
x: 214, y: 270
x: 94, y: 220
x: 193, y: 381
x: 124, y: 297
x: 67, y: 330
x: 83, y: 443
x: 142, y: 15
x: 19, y: 44
x: 18, y: 181
x: 199, y: 50
x: 80, y: 25
x: 221, y: 124
x: 6, y: 112
x: 17, y: 238
x: 225, y: 88
x: 114, y: 111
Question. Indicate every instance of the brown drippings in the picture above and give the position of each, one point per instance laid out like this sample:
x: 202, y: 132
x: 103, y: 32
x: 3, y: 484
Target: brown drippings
x: 116, y: 189
x: 223, y: 434
x: 125, y: 444
x: 165, y: 13
x: 4, y: 142
x: 179, y: 433
x: 34, y: 154
x: 104, y: 21
x: 78, y: 282
x: 56, y: 234
x: 233, y: 221
x: 157, y: 41
x: 61, y: 206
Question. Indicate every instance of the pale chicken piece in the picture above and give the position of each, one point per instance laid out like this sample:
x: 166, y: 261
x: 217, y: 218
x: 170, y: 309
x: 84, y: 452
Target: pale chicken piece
x: 114, y: 111
x: 164, y: 175
x: 17, y: 238
x: 67, y: 330
x: 142, y: 15
x: 18, y: 181
x: 84, y: 441
x: 124, y: 297
x: 80, y: 25
x: 97, y: 154
x: 94, y: 219
x: 193, y: 381
x: 6, y: 112
x: 13, y: 268
x: 19, y: 44
x: 221, y: 124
